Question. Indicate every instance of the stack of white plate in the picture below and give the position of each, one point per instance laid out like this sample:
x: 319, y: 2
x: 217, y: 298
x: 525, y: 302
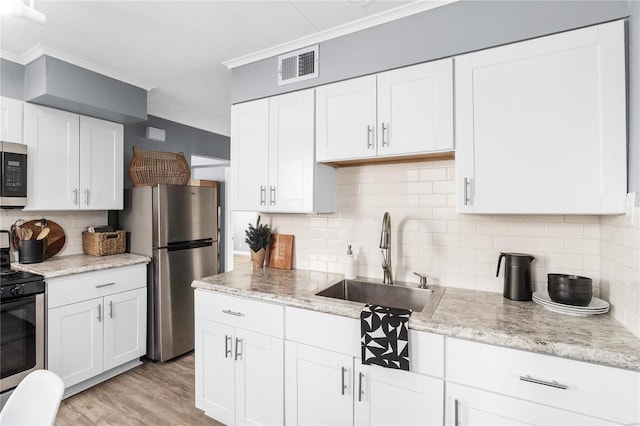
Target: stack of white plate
x: 597, y: 306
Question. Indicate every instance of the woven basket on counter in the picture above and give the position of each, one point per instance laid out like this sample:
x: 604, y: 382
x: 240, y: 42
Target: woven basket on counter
x: 153, y: 167
x: 103, y: 243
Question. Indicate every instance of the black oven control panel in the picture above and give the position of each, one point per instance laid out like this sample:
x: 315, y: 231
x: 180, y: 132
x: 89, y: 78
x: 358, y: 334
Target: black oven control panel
x: 14, y: 174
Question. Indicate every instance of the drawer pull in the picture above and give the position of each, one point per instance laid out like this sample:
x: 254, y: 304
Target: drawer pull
x: 234, y: 313
x: 553, y: 384
x: 343, y: 385
x: 455, y: 412
x: 227, y: 346
x: 360, y: 391
x: 105, y: 285
x: 238, y: 349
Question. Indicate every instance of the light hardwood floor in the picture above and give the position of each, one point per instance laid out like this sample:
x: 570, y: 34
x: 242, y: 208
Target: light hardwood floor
x: 151, y: 394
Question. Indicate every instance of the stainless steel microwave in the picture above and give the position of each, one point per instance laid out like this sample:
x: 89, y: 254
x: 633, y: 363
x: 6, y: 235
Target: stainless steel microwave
x: 13, y: 190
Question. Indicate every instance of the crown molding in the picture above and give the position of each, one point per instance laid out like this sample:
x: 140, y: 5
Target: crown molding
x: 40, y: 50
x: 348, y: 28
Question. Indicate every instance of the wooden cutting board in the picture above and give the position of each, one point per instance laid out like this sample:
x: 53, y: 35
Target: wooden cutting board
x: 281, y: 251
x: 55, y: 240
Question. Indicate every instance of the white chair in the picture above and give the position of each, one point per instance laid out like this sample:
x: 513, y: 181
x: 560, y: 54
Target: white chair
x: 35, y: 401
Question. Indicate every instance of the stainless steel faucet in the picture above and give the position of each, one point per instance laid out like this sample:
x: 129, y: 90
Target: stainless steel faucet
x: 385, y: 249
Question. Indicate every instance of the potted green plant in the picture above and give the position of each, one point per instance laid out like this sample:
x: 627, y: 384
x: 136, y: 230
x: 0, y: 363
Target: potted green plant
x: 258, y: 238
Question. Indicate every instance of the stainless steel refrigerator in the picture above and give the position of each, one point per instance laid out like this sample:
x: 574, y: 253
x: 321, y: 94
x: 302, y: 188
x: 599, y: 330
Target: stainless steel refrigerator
x: 177, y: 226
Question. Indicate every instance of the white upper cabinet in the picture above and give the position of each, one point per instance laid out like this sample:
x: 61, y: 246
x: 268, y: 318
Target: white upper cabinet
x: 541, y: 125
x: 101, y: 164
x: 415, y: 109
x: 407, y: 111
x: 10, y: 120
x: 250, y: 154
x: 272, y: 155
x: 74, y: 162
x: 346, y: 119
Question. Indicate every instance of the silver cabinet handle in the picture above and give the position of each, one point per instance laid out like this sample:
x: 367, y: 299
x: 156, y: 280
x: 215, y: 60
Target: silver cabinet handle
x: 467, y: 198
x: 344, y: 386
x: 360, y: 391
x: 272, y: 195
x: 99, y: 312
x: 369, y: 136
x: 86, y: 196
x: 111, y: 309
x: 455, y: 412
x: 238, y: 349
x: 234, y: 313
x: 263, y: 195
x: 227, y: 346
x: 385, y: 134
x: 75, y: 196
x: 552, y: 384
x: 105, y: 285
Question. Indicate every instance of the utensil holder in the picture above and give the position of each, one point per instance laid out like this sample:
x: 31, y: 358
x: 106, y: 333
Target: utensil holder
x: 31, y: 251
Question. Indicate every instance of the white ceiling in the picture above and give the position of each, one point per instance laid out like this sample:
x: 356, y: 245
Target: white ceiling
x: 175, y: 48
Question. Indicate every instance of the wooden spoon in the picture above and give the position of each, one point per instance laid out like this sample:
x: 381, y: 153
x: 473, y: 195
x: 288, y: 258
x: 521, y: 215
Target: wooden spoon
x: 27, y: 233
x: 43, y: 233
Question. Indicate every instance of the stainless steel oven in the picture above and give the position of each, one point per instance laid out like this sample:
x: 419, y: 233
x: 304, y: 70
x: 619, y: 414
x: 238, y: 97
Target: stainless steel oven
x: 21, y: 321
x: 21, y: 338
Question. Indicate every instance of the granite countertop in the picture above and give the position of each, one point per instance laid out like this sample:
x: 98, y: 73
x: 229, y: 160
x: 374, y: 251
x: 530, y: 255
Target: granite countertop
x: 468, y: 314
x: 78, y: 263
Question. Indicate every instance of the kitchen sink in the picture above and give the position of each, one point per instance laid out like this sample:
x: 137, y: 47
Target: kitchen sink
x: 424, y: 300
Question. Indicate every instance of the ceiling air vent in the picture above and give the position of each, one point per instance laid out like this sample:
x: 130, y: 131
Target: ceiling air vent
x: 297, y: 66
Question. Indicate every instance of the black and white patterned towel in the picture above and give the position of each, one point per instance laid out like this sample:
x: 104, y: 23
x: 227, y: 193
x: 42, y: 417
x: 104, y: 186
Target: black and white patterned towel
x: 384, y: 336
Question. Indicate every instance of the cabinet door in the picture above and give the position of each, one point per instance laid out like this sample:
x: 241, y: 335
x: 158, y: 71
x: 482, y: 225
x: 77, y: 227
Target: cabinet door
x: 11, y: 120
x: 53, y: 158
x: 346, y: 119
x: 415, y: 109
x: 385, y: 396
x: 75, y: 332
x: 250, y: 155
x: 469, y: 406
x: 318, y: 386
x: 541, y: 125
x: 125, y: 331
x: 101, y: 164
x: 215, y: 370
x: 291, y: 152
x: 259, y: 392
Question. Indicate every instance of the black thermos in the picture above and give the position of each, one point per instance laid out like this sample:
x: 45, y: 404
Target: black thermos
x: 517, y: 275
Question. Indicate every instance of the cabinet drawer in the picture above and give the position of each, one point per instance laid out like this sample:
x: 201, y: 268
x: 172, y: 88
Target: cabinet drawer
x: 260, y: 317
x: 342, y: 334
x: 596, y: 390
x: 90, y: 285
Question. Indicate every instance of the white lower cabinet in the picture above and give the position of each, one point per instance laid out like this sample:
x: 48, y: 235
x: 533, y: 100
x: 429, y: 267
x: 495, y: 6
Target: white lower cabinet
x: 330, y: 386
x: 318, y: 386
x: 489, y: 384
x: 469, y: 406
x: 239, y: 372
x: 88, y: 335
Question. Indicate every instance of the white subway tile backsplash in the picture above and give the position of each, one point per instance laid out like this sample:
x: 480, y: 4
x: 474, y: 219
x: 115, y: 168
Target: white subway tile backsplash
x: 461, y: 250
x: 73, y: 223
x: 433, y: 174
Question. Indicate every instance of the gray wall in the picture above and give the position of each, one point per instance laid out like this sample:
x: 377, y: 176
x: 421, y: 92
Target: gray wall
x: 454, y: 29
x: 450, y: 30
x: 179, y: 138
x: 11, y: 79
x: 58, y: 84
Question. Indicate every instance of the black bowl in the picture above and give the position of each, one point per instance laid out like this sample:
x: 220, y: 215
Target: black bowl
x: 570, y: 289
x: 571, y: 298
